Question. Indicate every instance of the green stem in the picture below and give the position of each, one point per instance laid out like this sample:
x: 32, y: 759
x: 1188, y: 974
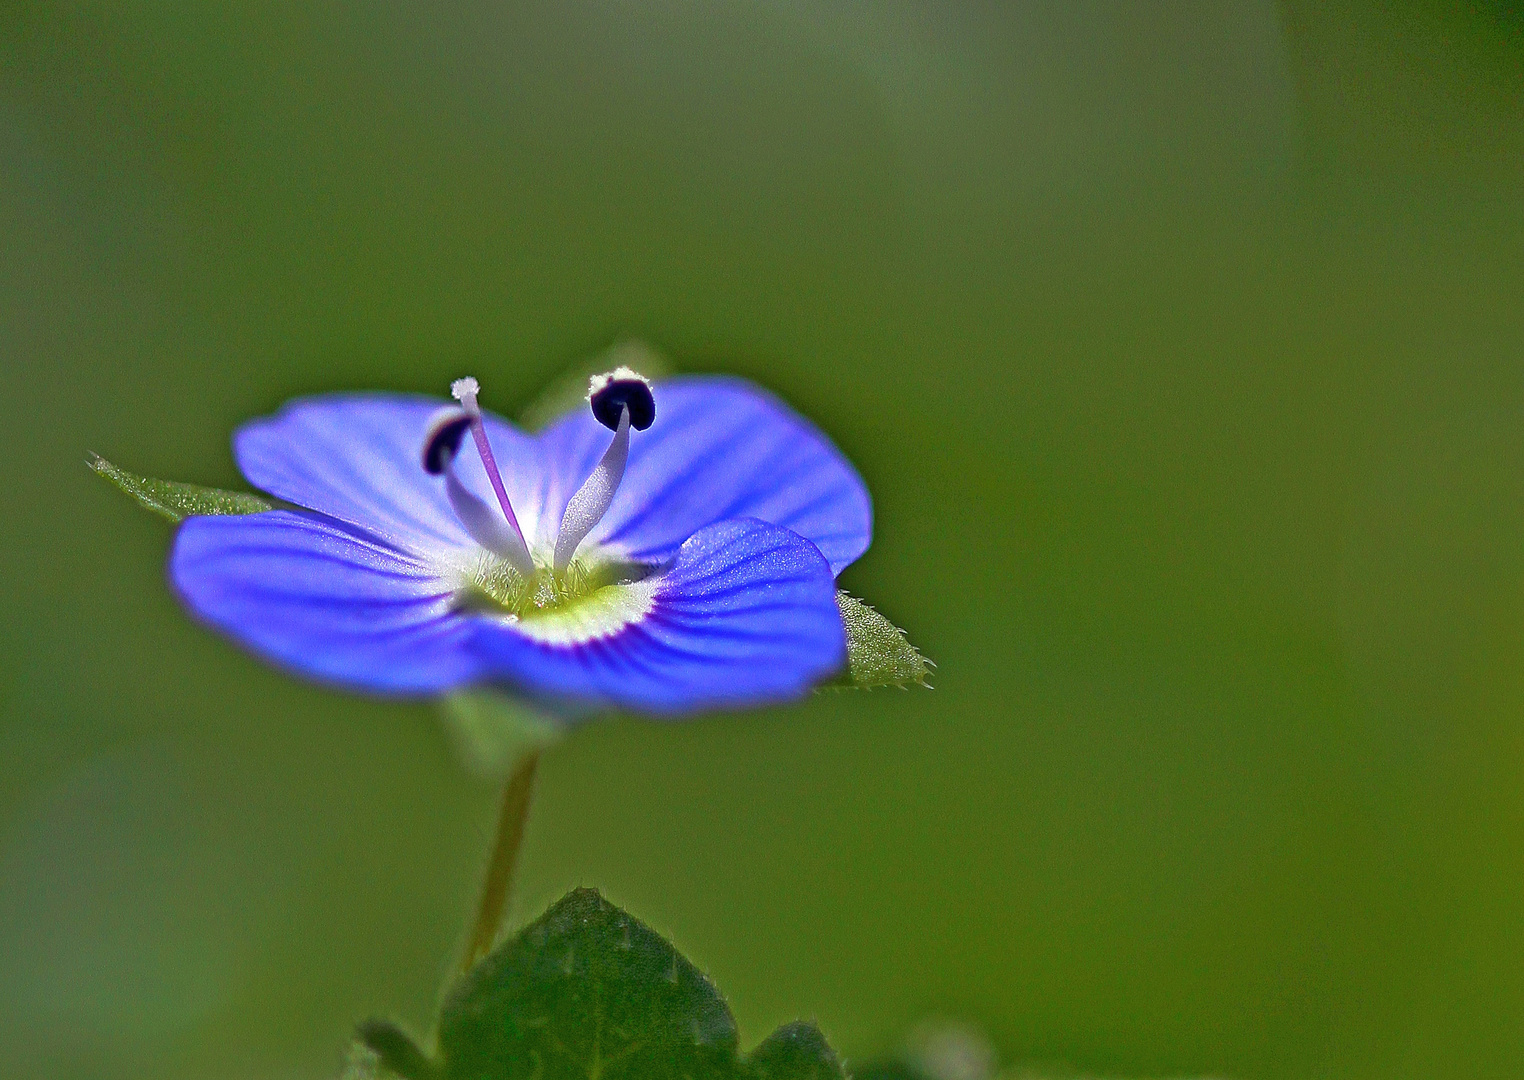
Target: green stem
x: 505, y: 856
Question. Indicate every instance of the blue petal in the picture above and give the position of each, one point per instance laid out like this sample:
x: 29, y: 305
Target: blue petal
x: 358, y: 457
x: 720, y: 448
x: 324, y: 600
x: 745, y: 616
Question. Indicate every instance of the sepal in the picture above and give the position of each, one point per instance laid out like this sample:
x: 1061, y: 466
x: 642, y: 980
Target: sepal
x: 177, y: 501
x: 878, y: 652
x: 491, y: 730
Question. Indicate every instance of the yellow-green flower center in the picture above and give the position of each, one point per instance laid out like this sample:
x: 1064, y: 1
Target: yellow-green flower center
x: 586, y: 588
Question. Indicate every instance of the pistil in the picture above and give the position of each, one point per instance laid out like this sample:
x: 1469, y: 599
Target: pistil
x: 500, y: 535
x: 465, y: 391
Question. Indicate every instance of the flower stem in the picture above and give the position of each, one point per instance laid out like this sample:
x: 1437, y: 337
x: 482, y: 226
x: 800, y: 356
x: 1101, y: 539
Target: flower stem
x: 505, y: 855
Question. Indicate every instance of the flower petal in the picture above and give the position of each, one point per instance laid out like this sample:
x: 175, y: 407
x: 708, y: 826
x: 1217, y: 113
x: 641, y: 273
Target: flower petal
x: 745, y: 616
x: 324, y: 600
x: 720, y: 448
x: 357, y: 457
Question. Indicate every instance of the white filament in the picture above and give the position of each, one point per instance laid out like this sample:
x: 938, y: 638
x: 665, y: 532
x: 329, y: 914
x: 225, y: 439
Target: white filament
x: 592, y: 499
x: 486, y: 525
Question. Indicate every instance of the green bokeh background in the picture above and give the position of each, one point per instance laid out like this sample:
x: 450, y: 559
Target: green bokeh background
x: 1182, y: 347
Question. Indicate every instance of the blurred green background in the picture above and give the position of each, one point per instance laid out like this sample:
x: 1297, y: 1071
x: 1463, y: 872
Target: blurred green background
x: 1182, y: 347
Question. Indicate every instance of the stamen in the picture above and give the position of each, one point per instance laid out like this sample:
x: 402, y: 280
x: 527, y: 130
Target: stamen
x: 620, y: 400
x: 622, y: 386
x: 443, y: 441
x: 502, y: 536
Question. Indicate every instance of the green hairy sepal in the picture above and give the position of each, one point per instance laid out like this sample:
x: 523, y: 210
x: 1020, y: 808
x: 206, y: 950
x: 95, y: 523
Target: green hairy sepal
x: 177, y: 501
x: 588, y: 992
x: 878, y: 653
x: 492, y: 730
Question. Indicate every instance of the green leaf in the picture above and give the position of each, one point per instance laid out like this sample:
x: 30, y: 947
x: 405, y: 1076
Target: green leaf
x: 587, y: 992
x: 796, y: 1051
x: 878, y: 653
x: 568, y: 390
x: 177, y: 501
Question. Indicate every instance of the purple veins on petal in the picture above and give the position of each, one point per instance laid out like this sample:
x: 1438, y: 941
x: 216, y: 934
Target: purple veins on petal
x: 324, y: 600
x: 745, y: 615
x: 720, y: 449
x: 356, y: 457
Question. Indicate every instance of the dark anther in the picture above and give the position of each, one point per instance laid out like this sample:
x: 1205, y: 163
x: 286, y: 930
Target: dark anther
x: 616, y: 393
x: 443, y: 443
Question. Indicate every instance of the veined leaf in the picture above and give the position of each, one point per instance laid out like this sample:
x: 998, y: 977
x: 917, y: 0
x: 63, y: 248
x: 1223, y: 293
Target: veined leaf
x: 177, y: 501
x: 587, y: 992
x: 796, y: 1051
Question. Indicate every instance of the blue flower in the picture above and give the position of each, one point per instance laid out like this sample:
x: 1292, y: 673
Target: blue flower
x: 665, y: 551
